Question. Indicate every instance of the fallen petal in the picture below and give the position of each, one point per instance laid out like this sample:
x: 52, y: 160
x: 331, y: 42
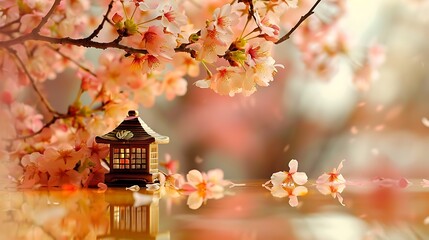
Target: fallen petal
x: 403, y: 183
x: 152, y: 187
x: 133, y: 188
x: 102, y: 186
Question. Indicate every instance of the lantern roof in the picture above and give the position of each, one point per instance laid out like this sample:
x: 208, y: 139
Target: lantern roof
x: 131, y: 131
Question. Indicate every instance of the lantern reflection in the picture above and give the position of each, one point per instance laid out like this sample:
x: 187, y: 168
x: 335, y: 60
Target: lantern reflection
x: 84, y: 214
x: 128, y: 220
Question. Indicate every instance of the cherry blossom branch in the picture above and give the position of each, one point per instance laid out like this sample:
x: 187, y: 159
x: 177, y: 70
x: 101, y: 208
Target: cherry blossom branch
x: 33, y: 84
x: 57, y: 50
x: 301, y: 20
x: 98, y: 29
x: 77, y: 42
x: 48, y: 124
x: 9, y: 24
x: 89, y: 43
x: 47, y: 16
x: 82, y: 42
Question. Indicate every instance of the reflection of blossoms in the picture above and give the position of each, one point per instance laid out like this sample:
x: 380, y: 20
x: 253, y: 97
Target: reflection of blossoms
x: 332, y: 183
x: 283, y: 183
x: 390, y: 182
x: 201, y: 186
x: 292, y: 192
x: 425, y: 183
x: 333, y: 189
x: 54, y: 215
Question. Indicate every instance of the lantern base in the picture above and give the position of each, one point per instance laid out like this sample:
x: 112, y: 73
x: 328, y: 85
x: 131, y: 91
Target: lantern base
x: 129, y: 179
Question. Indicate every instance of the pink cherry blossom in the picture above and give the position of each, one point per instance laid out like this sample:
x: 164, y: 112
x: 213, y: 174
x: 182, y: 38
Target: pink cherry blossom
x: 150, y: 5
x: 147, y: 91
x: 216, y: 178
x: 201, y: 186
x: 111, y: 71
x: 367, y: 72
x: 170, y: 164
x: 173, y: 181
x: 59, y: 163
x: 257, y: 51
x: 32, y: 175
x: 185, y: 63
x: 171, y: 17
x: 212, y: 44
x: 174, y: 85
x: 159, y: 43
x: 117, y: 106
x: 226, y: 17
x: 292, y: 177
x: 26, y: 119
x: 227, y: 81
x: 333, y: 177
x: 269, y: 30
x: 263, y: 71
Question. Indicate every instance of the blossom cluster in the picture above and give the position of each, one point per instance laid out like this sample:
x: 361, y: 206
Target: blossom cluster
x: 289, y: 184
x: 149, y: 49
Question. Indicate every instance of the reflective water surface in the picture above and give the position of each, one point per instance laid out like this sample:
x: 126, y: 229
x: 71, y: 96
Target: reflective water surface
x: 248, y: 212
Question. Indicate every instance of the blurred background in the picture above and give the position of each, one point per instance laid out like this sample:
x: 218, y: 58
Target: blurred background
x: 379, y: 130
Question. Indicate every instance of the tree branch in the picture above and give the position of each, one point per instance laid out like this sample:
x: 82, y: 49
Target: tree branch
x: 98, y: 29
x: 33, y: 83
x: 46, y: 17
x: 301, y: 20
x: 9, y: 24
x: 48, y: 124
x: 57, y: 50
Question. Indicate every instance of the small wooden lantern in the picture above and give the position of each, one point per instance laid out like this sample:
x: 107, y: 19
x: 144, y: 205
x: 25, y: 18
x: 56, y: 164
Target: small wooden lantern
x: 133, y: 152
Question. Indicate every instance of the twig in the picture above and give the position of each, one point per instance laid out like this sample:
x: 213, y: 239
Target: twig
x: 9, y: 24
x: 301, y: 20
x: 237, y: 185
x: 52, y: 121
x: 46, y: 17
x: 57, y: 50
x: 33, y: 83
x: 77, y: 42
x: 98, y: 29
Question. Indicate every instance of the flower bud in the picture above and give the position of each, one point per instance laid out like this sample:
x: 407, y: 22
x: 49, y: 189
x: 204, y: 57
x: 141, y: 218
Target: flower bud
x: 117, y: 18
